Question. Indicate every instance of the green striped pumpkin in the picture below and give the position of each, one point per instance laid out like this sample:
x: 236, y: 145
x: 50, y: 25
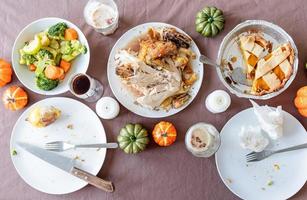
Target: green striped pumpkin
x: 133, y: 138
x: 209, y: 21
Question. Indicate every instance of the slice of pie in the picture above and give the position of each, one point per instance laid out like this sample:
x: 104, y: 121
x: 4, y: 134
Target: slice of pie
x: 273, y: 71
x: 252, y: 46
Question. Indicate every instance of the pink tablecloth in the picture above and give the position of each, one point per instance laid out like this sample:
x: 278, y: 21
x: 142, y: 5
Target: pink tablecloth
x: 158, y: 173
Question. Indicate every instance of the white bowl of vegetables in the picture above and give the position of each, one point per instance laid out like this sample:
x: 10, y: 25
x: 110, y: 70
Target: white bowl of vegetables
x: 47, y: 52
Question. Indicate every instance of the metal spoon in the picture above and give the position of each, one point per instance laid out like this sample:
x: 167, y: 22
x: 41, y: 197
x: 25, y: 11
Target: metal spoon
x: 237, y: 74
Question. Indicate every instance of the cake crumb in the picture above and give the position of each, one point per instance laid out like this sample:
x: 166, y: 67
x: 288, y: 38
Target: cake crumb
x: 276, y: 167
x: 77, y: 157
x: 233, y: 59
x: 70, y: 126
x: 270, y: 183
x: 229, y: 180
x: 14, y: 152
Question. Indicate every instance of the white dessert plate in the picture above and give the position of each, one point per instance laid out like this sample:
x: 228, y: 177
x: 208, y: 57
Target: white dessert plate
x: 86, y: 128
x: 26, y: 77
x: 277, y: 177
x: 122, y: 94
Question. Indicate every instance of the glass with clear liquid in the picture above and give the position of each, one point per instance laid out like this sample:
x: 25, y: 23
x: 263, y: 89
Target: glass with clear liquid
x: 102, y: 15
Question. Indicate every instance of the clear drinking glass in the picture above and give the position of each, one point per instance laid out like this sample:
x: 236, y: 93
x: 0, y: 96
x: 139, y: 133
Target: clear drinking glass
x: 102, y: 15
x: 202, y: 140
x: 85, y: 87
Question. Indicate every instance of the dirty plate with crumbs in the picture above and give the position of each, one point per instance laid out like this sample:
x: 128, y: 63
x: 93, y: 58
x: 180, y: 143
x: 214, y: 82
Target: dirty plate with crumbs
x: 78, y: 126
x: 279, y: 176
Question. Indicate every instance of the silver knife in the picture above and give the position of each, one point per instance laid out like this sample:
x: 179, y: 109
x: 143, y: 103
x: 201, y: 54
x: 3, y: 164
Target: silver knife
x: 67, y: 164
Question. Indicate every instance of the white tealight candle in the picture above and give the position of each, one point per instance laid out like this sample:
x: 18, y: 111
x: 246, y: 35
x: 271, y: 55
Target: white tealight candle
x: 107, y: 108
x: 218, y: 101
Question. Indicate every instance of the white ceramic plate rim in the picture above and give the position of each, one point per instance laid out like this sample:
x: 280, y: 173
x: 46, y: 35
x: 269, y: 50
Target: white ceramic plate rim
x: 145, y: 112
x: 13, y: 135
x: 66, y: 87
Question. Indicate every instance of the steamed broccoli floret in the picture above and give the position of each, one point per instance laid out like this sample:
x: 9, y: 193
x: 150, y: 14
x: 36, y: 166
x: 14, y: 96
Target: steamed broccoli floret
x: 57, y: 59
x: 44, y: 54
x: 71, y: 49
x: 66, y: 47
x: 57, y: 31
x: 54, y: 44
x: 42, y: 64
x: 44, y: 38
x: 77, y: 46
x: 44, y: 83
x: 27, y: 59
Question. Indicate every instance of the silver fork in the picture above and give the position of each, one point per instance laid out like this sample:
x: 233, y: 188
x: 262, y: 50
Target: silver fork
x: 63, y: 146
x: 257, y: 156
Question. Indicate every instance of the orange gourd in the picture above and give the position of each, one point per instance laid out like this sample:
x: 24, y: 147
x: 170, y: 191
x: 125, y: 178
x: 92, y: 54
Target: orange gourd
x: 15, y: 98
x: 164, y: 133
x: 5, y: 72
x: 300, y: 101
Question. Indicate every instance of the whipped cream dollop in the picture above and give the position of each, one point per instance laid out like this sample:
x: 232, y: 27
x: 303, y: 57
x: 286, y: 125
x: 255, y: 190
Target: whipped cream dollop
x: 270, y: 119
x: 251, y: 138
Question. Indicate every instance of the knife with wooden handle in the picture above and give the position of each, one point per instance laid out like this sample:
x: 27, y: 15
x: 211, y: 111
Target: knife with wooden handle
x: 68, y: 165
x: 93, y: 180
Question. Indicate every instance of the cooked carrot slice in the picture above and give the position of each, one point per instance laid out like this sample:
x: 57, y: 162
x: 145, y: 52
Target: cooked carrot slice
x: 70, y: 34
x: 65, y: 65
x: 32, y: 67
x: 54, y: 72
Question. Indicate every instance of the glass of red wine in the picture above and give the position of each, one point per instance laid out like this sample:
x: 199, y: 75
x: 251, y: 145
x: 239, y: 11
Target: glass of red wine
x: 85, y: 87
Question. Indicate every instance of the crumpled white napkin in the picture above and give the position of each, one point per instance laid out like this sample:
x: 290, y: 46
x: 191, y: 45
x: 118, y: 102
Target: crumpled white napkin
x: 270, y: 119
x: 251, y: 138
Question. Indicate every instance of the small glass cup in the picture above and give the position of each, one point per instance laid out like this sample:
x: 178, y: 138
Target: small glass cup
x: 85, y: 87
x: 92, y: 7
x: 198, y: 147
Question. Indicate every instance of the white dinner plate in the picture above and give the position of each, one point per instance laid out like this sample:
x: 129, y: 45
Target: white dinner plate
x: 122, y: 94
x: 87, y: 128
x: 250, y: 181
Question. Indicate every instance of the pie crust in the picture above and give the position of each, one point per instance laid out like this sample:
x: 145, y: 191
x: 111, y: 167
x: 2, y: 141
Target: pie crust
x: 269, y: 72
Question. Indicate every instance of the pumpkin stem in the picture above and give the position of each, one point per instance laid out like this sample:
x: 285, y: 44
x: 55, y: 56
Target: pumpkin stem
x: 132, y: 138
x: 210, y: 20
x: 10, y: 100
x: 164, y: 134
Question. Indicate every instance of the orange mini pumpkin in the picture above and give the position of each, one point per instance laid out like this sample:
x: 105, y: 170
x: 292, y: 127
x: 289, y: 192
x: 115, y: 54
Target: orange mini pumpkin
x: 15, y: 98
x: 164, y: 133
x: 5, y: 72
x: 300, y: 101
